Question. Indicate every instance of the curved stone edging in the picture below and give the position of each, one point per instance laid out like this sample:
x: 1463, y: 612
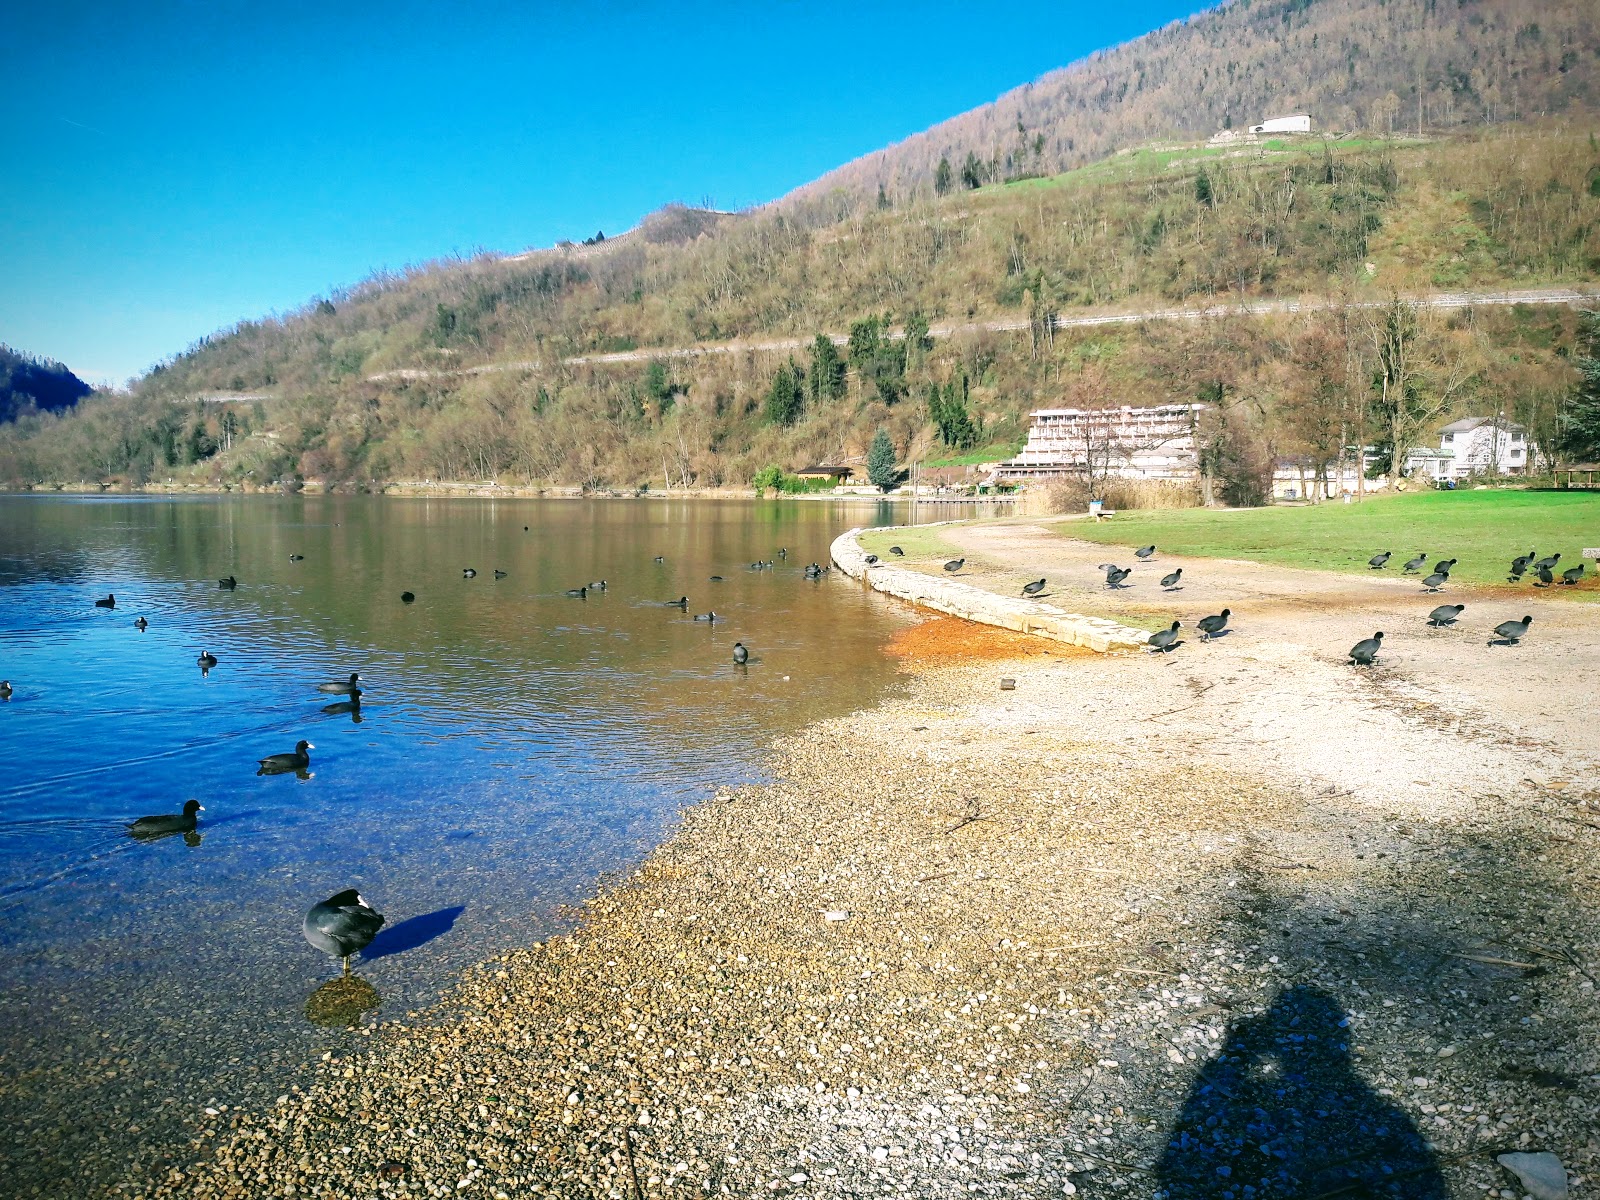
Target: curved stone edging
x: 974, y: 604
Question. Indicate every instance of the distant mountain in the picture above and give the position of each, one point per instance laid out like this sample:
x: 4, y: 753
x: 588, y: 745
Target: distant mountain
x: 28, y: 384
x: 1385, y: 65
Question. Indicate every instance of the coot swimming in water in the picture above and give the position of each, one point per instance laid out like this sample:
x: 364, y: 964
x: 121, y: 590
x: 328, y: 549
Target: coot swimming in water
x: 338, y: 688
x: 279, y: 764
x: 170, y: 823
x: 109, y: 602
x: 740, y: 654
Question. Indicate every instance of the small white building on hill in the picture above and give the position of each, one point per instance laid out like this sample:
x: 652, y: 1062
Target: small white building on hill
x: 1292, y: 123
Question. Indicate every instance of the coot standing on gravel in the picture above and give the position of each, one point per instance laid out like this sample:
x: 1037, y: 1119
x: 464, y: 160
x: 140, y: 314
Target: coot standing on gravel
x: 1116, y: 575
x: 1364, y: 651
x: 1144, y: 552
x: 155, y: 827
x: 1445, y: 614
x: 1170, y: 582
x: 1378, y: 561
x: 1034, y: 588
x: 1572, y: 575
x: 1214, y: 624
x: 955, y: 564
x: 1512, y: 632
x: 342, y: 925
x: 1161, y: 641
x: 1417, y: 563
x: 1545, y: 578
x: 1438, y: 579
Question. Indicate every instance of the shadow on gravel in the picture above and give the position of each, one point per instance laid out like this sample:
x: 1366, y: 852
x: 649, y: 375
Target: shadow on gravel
x: 1280, y: 1112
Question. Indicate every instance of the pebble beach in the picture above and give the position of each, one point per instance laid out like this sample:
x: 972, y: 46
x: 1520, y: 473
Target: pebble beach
x: 960, y: 944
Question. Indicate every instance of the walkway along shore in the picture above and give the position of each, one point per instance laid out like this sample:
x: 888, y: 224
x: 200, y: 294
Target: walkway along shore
x: 1105, y: 934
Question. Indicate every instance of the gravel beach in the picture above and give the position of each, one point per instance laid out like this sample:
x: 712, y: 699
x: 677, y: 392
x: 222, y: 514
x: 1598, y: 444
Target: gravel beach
x: 1040, y: 941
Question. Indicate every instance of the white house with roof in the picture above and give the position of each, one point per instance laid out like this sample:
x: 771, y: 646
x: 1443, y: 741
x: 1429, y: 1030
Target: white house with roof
x: 1476, y: 446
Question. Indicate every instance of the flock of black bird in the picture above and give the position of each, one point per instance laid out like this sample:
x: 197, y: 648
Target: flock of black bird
x: 345, y: 924
x: 1365, y: 652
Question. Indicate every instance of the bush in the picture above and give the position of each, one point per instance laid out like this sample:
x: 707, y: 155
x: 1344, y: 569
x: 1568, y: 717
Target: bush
x: 767, y: 477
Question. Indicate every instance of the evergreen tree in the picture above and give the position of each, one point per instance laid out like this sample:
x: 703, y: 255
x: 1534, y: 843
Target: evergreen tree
x: 947, y: 406
x: 883, y: 197
x: 881, y: 468
x: 941, y: 177
x: 1578, y: 435
x: 972, y: 171
x: 786, y: 398
x: 827, y: 378
x: 918, y: 340
x: 1202, y: 188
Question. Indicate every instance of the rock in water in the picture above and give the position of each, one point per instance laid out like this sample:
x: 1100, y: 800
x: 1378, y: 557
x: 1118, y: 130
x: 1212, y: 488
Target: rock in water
x: 1541, y: 1173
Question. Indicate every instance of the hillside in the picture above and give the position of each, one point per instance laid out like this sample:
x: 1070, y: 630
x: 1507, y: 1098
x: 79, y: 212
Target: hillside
x: 485, y: 369
x: 29, y: 384
x: 1383, y: 65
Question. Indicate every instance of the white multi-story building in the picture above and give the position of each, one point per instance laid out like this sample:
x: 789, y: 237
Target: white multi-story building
x: 1477, y: 446
x: 1125, y: 443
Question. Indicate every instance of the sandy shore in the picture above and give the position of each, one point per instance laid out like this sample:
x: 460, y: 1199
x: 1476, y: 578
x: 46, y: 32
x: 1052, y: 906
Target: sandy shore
x: 1141, y: 925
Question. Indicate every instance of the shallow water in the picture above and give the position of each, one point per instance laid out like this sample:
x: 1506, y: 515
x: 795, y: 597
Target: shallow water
x: 513, y: 745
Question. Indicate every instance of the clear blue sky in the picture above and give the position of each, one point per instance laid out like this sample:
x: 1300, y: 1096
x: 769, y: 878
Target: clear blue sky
x: 173, y: 168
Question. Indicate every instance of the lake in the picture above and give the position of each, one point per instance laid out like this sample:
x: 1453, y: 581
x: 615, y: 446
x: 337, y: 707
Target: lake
x: 513, y: 746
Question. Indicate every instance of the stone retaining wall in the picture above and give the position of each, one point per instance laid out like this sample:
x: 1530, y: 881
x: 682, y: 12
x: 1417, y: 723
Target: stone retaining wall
x: 974, y: 604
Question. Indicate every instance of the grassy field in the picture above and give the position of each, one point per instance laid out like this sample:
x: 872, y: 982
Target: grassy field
x: 1485, y: 530
x: 917, y: 543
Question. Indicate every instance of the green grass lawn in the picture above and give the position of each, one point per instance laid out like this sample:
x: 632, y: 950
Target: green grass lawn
x: 1485, y: 530
x: 917, y: 543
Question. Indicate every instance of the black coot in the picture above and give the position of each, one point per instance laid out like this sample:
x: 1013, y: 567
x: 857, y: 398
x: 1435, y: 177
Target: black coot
x: 1445, y: 614
x: 1161, y: 641
x: 295, y: 760
x: 1545, y: 578
x: 598, y: 585
x: 710, y: 616
x: 582, y: 593
x: 896, y: 551
x: 170, y: 823
x: 955, y: 564
x: 297, y: 558
x: 228, y: 584
x: 340, y: 707
x: 207, y: 660
x: 337, y: 688
x: 1034, y: 588
x: 342, y: 925
x: 740, y: 654
x: 1417, y: 563
x: 1378, y: 561
x: 1364, y: 651
x: 5, y: 689
x: 1213, y: 624
x: 1171, y: 581
x: 1513, y: 632
x: 872, y: 560
x: 407, y: 597
x: 499, y: 574
x: 141, y: 624
x: 109, y: 602
x: 681, y: 602
x: 469, y: 573
x: 1144, y: 552
x: 1437, y: 580
x: 1116, y: 575
x: 1572, y: 575
x: 1548, y: 561
x: 715, y: 578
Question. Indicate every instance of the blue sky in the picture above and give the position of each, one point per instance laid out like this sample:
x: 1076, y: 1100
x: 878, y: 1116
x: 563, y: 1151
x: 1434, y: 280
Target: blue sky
x: 174, y: 167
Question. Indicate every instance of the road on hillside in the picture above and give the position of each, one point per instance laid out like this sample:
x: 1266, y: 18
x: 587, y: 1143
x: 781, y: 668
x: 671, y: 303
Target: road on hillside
x: 1586, y: 293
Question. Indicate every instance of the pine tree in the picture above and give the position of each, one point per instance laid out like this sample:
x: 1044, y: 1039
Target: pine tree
x: 827, y: 378
x: 941, y: 177
x: 1202, y: 188
x: 881, y: 468
x: 786, y: 398
x: 972, y: 171
x: 1578, y: 436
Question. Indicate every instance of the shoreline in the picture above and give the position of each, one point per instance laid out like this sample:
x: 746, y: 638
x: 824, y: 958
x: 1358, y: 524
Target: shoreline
x: 964, y: 941
x: 475, y: 491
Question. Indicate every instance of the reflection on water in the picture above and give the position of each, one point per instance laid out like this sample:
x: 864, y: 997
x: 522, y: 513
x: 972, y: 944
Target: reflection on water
x: 508, y: 744
x: 341, y: 1001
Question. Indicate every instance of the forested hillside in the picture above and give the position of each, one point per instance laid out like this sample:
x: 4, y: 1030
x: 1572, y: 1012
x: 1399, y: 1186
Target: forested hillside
x: 29, y: 384
x: 1382, y: 65
x: 465, y: 370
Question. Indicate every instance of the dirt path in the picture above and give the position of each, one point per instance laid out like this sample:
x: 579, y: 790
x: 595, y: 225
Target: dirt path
x: 1441, y: 718
x: 1577, y: 294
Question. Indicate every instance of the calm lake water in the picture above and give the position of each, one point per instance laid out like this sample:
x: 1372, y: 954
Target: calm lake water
x: 513, y: 745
